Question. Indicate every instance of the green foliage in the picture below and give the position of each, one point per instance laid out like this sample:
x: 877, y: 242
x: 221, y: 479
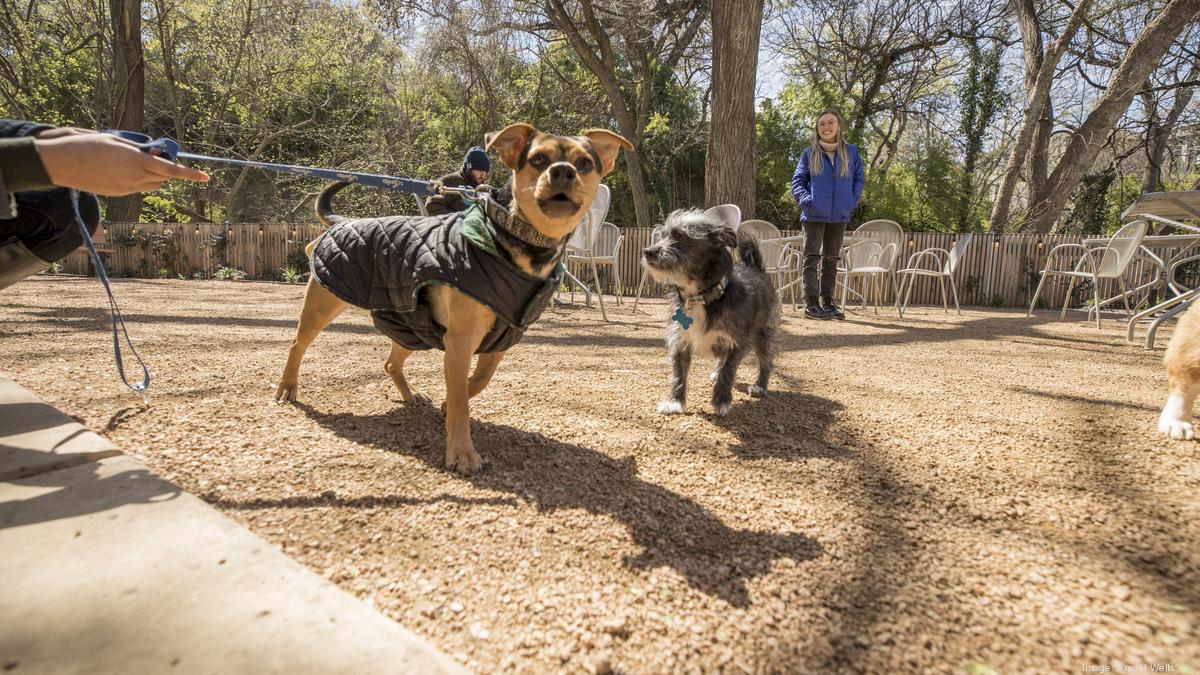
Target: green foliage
x: 54, y: 268
x: 228, y: 274
x: 292, y: 275
x: 1090, y: 214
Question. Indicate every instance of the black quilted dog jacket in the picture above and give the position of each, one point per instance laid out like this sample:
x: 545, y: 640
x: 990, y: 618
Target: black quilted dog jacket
x: 381, y: 264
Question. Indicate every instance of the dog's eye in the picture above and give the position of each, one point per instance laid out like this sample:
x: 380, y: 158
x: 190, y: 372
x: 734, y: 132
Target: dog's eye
x: 583, y: 164
x: 538, y: 161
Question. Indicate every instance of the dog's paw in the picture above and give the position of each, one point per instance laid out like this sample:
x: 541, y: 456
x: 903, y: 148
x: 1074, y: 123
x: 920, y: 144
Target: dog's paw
x: 1176, y: 429
x: 670, y: 407
x: 461, y: 457
x: 417, y: 399
x: 712, y: 377
x: 722, y: 409
x: 756, y: 391
x: 286, y: 392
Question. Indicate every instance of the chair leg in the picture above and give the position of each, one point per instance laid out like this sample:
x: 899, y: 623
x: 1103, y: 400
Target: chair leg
x: 1125, y: 298
x: 617, y: 276
x: 1036, y: 293
x: 899, y: 295
x: 1067, y: 299
x: 954, y: 291
x: 1096, y: 299
x: 912, y: 280
x: 895, y: 287
x: 945, y: 305
x: 638, y: 296
x: 845, y: 289
x: 599, y: 291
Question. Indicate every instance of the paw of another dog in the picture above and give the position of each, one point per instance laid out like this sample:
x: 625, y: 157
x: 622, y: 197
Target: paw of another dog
x: 462, y: 458
x: 418, y: 399
x: 722, y: 409
x: 286, y: 392
x: 1177, y: 429
x: 670, y: 407
x: 757, y: 391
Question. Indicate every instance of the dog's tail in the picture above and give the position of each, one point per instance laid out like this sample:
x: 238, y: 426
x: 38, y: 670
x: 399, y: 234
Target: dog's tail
x: 749, y: 252
x: 325, y: 212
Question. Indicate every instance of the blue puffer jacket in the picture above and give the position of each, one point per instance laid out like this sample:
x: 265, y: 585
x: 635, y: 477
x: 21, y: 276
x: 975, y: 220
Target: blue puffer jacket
x: 829, y: 197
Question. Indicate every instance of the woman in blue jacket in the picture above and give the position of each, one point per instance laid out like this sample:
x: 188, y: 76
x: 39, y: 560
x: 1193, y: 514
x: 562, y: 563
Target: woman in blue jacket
x: 827, y: 184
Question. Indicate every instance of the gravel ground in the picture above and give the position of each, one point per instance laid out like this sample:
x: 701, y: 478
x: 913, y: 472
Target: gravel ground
x: 928, y: 495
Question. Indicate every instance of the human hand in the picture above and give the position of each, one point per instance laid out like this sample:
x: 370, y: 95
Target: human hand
x: 105, y: 164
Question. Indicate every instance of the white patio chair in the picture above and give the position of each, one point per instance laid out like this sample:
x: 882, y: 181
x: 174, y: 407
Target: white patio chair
x: 606, y: 249
x: 655, y: 235
x: 862, y: 260
x: 729, y: 214
x: 582, y: 244
x: 1108, y: 262
x: 779, y: 257
x: 941, y: 265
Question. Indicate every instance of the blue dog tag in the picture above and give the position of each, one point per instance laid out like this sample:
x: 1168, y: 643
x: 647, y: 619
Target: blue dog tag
x: 682, y: 317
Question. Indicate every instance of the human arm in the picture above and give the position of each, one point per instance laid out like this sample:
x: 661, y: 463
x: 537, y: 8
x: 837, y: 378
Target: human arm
x: 801, y: 185
x: 857, y: 167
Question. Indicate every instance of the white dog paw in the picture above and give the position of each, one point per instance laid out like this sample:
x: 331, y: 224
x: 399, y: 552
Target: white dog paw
x: 756, y: 391
x: 722, y: 409
x: 670, y: 407
x: 1177, y: 429
x: 712, y: 377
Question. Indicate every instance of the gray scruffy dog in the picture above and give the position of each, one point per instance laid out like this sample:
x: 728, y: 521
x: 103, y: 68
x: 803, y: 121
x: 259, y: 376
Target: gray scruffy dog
x: 722, y: 308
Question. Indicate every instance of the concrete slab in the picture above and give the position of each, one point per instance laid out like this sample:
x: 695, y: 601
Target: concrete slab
x: 35, y: 437
x: 107, y: 568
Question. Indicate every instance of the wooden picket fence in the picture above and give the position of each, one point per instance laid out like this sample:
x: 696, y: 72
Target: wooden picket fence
x: 999, y: 271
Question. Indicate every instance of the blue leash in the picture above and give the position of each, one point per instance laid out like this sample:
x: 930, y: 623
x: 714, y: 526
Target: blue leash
x: 142, y: 389
x: 169, y: 149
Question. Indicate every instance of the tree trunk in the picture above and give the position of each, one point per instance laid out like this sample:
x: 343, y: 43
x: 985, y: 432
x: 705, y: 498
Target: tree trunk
x: 1159, y: 133
x: 129, y: 90
x: 729, y: 164
x: 1035, y: 101
x: 1140, y: 60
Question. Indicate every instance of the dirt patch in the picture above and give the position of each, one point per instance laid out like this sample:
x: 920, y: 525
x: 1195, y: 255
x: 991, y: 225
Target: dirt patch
x: 917, y: 494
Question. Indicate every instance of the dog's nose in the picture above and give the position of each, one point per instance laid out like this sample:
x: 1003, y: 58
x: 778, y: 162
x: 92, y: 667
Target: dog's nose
x: 649, y: 252
x: 562, y: 173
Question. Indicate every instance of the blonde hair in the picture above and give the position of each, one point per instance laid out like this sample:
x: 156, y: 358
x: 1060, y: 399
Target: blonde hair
x: 815, y: 165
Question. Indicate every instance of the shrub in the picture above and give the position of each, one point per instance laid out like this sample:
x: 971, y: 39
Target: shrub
x: 292, y: 275
x: 54, y: 268
x: 229, y: 274
x: 997, y: 300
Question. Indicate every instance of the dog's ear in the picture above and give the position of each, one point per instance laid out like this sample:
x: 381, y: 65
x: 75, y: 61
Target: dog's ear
x: 723, y: 236
x: 510, y: 142
x: 607, y: 145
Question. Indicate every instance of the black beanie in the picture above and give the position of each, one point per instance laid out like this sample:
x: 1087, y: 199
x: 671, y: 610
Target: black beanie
x: 477, y: 159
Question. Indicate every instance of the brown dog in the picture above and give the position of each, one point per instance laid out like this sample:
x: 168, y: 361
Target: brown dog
x: 1183, y: 376
x: 555, y: 179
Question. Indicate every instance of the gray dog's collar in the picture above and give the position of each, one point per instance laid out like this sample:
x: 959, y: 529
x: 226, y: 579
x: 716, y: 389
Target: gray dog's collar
x: 706, y: 296
x: 517, y: 226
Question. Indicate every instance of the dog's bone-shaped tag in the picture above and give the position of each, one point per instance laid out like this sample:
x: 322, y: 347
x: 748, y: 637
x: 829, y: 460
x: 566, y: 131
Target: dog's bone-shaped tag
x: 682, y: 317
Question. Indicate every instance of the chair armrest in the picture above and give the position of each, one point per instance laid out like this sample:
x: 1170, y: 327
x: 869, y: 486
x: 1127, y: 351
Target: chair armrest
x: 914, y: 261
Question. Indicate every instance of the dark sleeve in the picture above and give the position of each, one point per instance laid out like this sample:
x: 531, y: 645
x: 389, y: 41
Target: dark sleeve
x: 14, y: 128
x: 21, y: 167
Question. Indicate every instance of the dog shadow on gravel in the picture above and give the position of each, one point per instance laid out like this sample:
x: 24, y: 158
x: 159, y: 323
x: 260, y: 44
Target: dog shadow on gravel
x: 785, y: 424
x: 671, y: 529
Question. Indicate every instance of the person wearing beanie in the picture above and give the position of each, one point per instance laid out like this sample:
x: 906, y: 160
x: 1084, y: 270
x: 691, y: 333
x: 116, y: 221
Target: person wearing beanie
x: 826, y: 185
x: 474, y: 172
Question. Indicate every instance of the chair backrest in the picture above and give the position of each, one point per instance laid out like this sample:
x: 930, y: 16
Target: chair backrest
x: 759, y: 230
x: 957, y: 253
x: 584, y: 238
x: 656, y: 233
x: 773, y: 252
x: 861, y: 254
x: 1121, y: 249
x: 729, y: 214
x: 606, y: 241
x: 884, y: 232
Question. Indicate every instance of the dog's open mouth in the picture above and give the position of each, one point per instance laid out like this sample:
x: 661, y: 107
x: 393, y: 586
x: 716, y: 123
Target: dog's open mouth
x: 557, y: 205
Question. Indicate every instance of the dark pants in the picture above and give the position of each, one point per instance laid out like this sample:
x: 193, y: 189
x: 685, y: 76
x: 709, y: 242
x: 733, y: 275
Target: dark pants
x: 43, y: 232
x: 822, y: 243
